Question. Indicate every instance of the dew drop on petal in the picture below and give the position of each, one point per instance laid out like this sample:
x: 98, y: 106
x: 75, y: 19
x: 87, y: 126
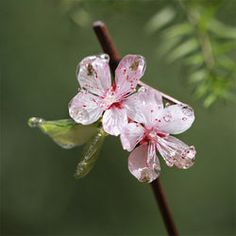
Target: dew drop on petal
x: 104, y: 57
x: 187, y: 158
x: 189, y: 153
x: 175, y: 152
x: 79, y: 114
x: 167, y: 118
x: 188, y: 111
x: 138, y: 166
x: 145, y: 175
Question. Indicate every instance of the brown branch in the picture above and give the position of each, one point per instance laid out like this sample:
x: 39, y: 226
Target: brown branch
x: 164, y: 208
x: 108, y: 47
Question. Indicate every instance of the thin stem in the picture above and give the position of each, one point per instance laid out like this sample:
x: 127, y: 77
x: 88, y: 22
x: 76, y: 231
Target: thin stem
x: 164, y: 208
x: 108, y: 47
x: 106, y: 43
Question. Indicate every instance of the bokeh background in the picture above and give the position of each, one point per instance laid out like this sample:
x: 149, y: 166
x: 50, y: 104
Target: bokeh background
x: 41, y: 44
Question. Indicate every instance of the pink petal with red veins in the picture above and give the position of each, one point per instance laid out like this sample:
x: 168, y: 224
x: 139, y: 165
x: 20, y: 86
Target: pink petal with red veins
x: 94, y: 74
x: 145, y: 106
x: 129, y: 71
x: 131, y: 135
x: 114, y: 119
x: 175, y: 152
x: 138, y: 166
x: 176, y: 119
x: 84, y: 109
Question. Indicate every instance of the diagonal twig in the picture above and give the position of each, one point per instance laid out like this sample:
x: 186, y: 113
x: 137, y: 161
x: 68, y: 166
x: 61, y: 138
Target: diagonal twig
x: 108, y: 47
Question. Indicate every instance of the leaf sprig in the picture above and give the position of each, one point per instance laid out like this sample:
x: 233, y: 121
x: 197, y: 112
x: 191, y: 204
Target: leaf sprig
x: 68, y: 134
x: 203, y: 44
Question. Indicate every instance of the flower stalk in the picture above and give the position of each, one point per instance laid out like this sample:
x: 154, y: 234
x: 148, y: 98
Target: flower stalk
x: 108, y: 47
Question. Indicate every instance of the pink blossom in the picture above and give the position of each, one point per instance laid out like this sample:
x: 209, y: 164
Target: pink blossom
x: 100, y: 97
x: 150, y: 130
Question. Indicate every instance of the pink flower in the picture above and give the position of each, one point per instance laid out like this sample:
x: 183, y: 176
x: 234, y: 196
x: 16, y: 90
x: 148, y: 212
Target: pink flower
x: 150, y: 132
x: 99, y: 96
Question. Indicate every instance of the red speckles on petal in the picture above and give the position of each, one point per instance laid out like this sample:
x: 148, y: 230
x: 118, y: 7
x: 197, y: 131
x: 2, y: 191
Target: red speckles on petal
x: 129, y: 71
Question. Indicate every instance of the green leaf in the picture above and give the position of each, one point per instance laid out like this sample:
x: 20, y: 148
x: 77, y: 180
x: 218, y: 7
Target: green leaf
x: 183, y: 49
x: 66, y: 133
x: 227, y: 63
x: 198, y: 76
x: 222, y: 30
x: 91, y: 153
x: 160, y: 19
x: 223, y: 47
x: 168, y: 45
x: 201, y: 90
x: 178, y: 30
x: 210, y: 99
x: 195, y: 60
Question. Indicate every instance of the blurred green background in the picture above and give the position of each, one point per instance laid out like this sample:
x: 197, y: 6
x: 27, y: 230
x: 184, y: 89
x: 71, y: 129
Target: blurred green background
x: 41, y: 45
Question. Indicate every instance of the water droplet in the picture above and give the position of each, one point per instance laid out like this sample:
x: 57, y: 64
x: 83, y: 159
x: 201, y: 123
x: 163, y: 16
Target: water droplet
x: 172, y: 153
x: 142, y: 89
x: 146, y: 175
x: 184, y: 118
x: 79, y: 114
x: 104, y: 57
x: 35, y: 121
x: 190, y: 152
x: 188, y: 111
x: 167, y: 118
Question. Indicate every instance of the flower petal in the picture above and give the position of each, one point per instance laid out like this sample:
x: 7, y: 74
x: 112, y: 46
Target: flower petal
x: 131, y: 135
x: 175, y: 152
x: 130, y: 69
x: 152, y: 159
x: 84, y: 109
x: 114, y: 119
x: 94, y: 74
x: 145, y: 106
x: 138, y: 166
x: 176, y: 119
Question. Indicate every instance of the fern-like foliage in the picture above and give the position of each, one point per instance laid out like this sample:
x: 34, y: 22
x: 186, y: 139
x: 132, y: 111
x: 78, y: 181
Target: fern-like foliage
x: 202, y: 43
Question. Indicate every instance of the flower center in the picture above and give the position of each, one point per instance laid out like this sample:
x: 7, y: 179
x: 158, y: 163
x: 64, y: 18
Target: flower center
x: 151, y: 135
x: 111, y: 100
